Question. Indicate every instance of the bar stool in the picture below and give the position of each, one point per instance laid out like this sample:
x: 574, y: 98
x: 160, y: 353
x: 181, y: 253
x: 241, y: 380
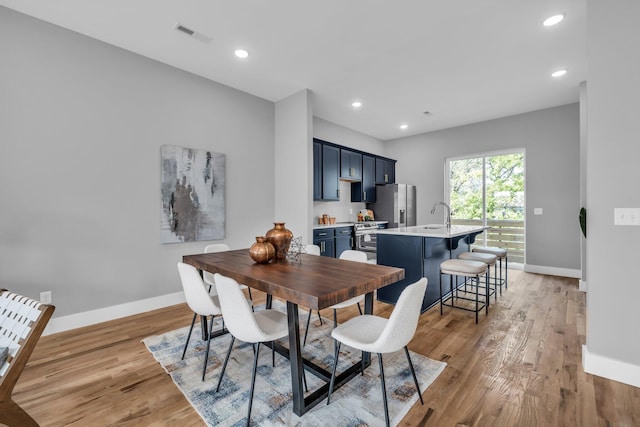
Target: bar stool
x: 500, y: 254
x: 467, y: 269
x: 488, y: 259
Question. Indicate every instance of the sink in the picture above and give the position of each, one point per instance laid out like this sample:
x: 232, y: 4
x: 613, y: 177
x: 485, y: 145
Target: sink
x: 434, y: 226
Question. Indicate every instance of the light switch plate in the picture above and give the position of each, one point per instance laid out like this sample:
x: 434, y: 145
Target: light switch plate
x: 626, y: 216
x: 537, y: 211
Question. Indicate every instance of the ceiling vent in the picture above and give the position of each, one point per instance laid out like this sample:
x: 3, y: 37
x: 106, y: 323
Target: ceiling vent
x: 191, y: 33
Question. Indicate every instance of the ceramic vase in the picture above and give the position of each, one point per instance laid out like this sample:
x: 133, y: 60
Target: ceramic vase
x: 262, y: 251
x: 280, y: 238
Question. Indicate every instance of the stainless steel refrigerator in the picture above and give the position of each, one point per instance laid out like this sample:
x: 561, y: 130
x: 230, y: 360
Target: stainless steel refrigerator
x: 395, y: 203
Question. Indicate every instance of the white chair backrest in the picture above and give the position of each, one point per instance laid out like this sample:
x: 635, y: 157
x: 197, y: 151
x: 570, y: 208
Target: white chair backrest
x: 350, y: 255
x: 208, y: 277
x: 313, y: 249
x: 195, y: 293
x: 238, y: 317
x: 403, y: 320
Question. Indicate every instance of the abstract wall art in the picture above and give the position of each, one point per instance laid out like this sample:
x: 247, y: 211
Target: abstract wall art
x: 193, y: 194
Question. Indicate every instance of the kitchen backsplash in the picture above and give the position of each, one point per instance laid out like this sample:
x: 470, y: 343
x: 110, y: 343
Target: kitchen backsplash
x: 340, y: 210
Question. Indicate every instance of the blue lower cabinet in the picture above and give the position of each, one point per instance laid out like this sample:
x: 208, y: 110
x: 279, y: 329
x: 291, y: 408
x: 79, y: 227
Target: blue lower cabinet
x: 325, y: 239
x: 344, y: 240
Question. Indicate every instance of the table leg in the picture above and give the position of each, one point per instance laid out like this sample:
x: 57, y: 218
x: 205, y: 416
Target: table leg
x: 295, y: 357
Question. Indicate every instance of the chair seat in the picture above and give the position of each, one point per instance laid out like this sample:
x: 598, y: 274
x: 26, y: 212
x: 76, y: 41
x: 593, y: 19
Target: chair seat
x: 349, y: 302
x: 499, y: 252
x: 459, y: 267
x: 361, y: 332
x: 489, y: 259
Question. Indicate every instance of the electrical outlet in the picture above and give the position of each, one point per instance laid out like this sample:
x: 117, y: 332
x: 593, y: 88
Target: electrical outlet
x: 45, y: 297
x: 626, y: 216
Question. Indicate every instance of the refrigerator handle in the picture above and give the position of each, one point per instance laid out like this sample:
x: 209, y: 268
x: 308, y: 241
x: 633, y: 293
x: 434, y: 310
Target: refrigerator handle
x: 402, y: 218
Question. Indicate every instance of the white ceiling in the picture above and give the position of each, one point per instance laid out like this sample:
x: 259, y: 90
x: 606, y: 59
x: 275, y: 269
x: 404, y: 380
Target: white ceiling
x: 465, y: 61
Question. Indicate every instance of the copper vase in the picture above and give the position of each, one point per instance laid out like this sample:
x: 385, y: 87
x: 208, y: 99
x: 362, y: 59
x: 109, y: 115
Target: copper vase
x: 262, y: 251
x: 280, y: 238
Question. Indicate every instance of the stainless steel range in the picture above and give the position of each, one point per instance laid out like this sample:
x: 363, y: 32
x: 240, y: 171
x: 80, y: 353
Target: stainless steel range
x: 365, y: 235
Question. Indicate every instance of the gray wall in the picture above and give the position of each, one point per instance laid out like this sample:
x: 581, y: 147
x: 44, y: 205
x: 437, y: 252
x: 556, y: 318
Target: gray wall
x: 81, y: 126
x: 552, y: 144
x: 294, y: 164
x: 613, y: 176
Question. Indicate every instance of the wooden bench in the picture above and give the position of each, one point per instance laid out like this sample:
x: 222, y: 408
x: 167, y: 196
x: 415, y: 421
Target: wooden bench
x: 22, y: 321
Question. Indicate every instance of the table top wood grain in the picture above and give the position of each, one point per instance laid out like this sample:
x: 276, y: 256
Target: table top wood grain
x: 315, y: 282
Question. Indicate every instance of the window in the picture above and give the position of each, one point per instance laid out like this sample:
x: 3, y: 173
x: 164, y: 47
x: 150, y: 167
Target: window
x: 490, y: 190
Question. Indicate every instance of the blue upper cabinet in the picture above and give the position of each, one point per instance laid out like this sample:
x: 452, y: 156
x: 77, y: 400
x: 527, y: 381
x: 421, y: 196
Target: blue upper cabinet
x: 330, y: 172
x: 350, y: 165
x: 365, y: 191
x: 332, y: 163
x: 317, y: 171
x: 385, y: 171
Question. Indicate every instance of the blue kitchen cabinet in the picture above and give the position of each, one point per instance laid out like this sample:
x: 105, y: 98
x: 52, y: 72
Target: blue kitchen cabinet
x: 325, y: 239
x: 350, y: 165
x: 385, y: 171
x: 343, y: 240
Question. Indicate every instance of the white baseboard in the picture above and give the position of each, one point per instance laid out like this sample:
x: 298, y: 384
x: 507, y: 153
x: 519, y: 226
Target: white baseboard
x: 610, y: 368
x: 553, y: 271
x: 583, y: 286
x: 78, y: 320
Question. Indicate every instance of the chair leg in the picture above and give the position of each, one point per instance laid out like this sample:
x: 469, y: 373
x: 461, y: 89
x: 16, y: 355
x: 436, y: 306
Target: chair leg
x: 306, y: 329
x: 273, y: 354
x: 226, y: 360
x: 413, y: 372
x: 256, y: 346
x: 360, y: 309
x: 384, y: 390
x: 319, y: 317
x: 333, y: 372
x: 206, y: 355
x: 189, y: 335
x: 251, y: 298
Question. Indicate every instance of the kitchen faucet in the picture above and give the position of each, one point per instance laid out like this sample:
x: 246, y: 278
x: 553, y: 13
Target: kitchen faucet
x: 433, y: 210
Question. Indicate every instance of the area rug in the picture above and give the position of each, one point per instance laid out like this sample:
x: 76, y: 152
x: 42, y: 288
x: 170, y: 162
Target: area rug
x: 358, y: 403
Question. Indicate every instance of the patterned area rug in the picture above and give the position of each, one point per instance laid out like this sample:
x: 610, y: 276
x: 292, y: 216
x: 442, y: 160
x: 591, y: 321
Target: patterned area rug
x: 358, y: 403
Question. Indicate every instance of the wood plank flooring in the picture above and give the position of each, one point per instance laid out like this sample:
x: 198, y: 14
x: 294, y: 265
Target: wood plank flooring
x: 520, y: 366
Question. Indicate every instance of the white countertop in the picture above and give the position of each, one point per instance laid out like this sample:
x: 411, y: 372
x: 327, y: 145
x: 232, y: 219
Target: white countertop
x: 433, y: 230
x: 346, y: 224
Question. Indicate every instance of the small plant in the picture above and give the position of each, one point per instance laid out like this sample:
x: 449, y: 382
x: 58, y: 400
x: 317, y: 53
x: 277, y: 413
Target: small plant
x: 583, y: 221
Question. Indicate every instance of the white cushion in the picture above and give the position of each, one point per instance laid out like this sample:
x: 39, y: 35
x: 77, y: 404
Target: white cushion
x: 499, y: 252
x: 461, y: 267
x: 488, y: 259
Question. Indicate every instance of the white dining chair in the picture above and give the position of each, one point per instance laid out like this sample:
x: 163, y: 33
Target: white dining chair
x: 200, y: 302
x: 375, y: 334
x: 208, y: 277
x: 245, y: 325
x: 348, y: 255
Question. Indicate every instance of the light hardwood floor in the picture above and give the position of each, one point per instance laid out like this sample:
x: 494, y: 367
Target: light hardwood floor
x: 520, y: 366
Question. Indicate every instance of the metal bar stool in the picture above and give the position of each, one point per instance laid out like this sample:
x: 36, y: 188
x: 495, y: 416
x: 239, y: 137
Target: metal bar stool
x: 467, y: 269
x: 488, y: 259
x: 500, y: 254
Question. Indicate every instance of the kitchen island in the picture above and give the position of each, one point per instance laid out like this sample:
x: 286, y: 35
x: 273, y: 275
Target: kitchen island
x: 420, y: 250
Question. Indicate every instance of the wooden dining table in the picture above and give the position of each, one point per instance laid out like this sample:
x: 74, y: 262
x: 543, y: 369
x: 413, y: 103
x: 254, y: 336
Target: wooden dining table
x: 314, y: 282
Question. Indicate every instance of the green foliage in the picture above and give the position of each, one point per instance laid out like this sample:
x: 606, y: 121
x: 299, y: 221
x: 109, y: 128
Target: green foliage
x: 504, y: 187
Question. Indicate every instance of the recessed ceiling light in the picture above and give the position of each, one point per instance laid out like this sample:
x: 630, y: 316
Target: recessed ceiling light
x: 241, y: 53
x: 553, y: 20
x: 404, y: 126
x: 356, y: 104
x: 559, y: 73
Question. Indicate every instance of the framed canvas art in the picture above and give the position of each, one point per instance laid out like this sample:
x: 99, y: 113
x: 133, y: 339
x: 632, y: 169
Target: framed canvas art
x: 192, y: 190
